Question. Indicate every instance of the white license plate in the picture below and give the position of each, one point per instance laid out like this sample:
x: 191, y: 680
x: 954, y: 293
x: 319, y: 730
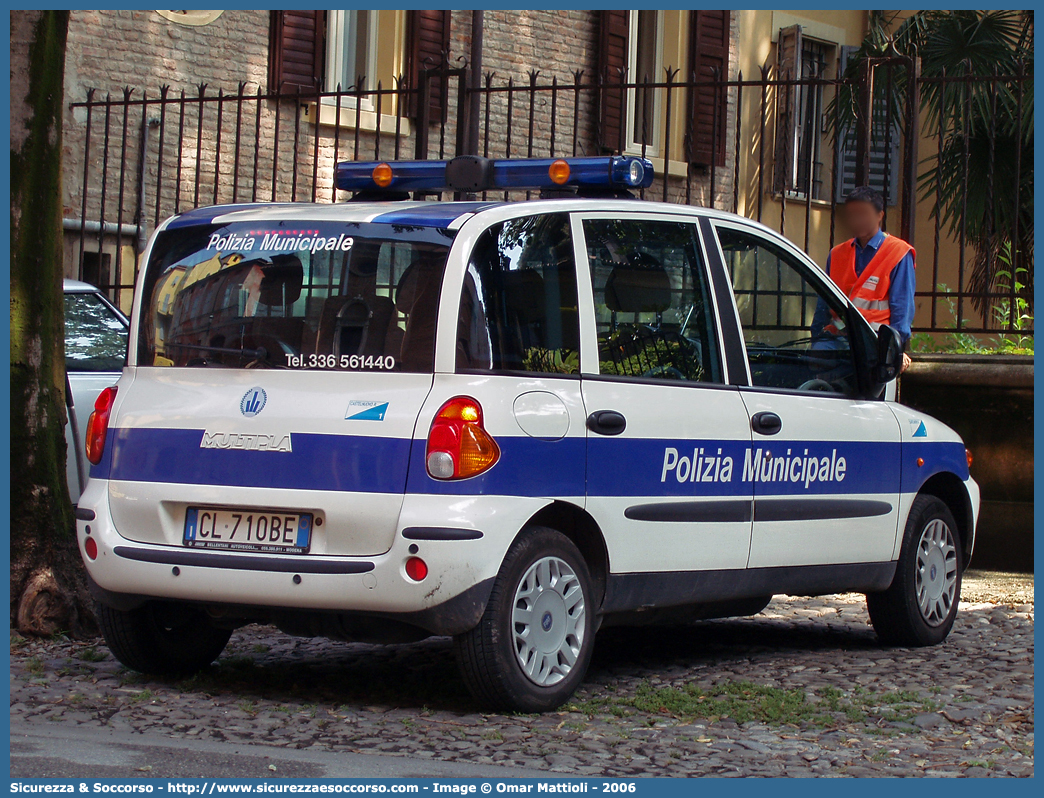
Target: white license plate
x: 248, y: 530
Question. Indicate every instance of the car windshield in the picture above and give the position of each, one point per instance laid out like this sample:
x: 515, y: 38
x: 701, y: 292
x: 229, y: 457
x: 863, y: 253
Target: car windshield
x: 304, y: 295
x: 95, y: 334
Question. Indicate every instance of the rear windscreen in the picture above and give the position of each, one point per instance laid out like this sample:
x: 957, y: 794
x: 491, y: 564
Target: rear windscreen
x: 306, y: 295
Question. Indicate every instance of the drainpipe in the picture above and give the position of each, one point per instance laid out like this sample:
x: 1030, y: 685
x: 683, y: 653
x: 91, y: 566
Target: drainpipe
x: 111, y: 228
x: 477, y: 19
x: 147, y: 127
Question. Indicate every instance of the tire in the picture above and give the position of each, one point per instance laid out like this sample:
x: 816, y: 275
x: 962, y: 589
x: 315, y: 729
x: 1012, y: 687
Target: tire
x: 543, y: 578
x: 162, y: 639
x: 920, y: 606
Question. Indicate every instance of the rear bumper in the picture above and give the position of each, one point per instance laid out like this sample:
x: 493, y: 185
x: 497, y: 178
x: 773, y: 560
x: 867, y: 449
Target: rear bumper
x: 450, y: 600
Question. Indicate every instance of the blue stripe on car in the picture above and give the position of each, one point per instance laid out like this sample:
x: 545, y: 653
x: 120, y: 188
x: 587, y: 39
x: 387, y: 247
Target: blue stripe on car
x: 527, y: 467
x: 939, y: 457
x: 317, y: 462
x: 438, y: 214
x: 208, y: 214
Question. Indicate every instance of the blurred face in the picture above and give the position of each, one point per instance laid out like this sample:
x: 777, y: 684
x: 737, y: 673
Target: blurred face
x: 863, y: 219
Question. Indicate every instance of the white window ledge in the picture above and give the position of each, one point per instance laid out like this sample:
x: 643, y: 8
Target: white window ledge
x: 367, y: 119
x: 674, y: 168
x: 798, y: 198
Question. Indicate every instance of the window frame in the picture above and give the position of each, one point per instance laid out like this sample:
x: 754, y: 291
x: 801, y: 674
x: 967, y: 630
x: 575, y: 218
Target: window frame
x: 818, y: 278
x: 827, y: 52
x: 793, y: 43
x: 334, y: 58
x: 632, y: 143
x: 589, y: 359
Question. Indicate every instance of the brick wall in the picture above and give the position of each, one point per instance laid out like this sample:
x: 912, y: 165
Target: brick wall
x: 110, y: 50
x: 553, y: 43
x: 557, y: 43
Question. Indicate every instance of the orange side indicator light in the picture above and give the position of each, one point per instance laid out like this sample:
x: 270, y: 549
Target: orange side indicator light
x: 382, y: 175
x: 558, y: 172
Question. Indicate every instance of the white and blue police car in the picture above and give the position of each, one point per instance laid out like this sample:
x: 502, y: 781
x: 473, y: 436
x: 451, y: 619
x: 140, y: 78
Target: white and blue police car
x: 508, y: 422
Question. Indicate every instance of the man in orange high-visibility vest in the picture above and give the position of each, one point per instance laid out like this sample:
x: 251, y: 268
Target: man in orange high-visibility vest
x: 874, y: 269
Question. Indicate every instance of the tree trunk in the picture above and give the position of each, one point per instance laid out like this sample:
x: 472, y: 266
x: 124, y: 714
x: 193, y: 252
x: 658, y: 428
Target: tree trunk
x: 48, y: 581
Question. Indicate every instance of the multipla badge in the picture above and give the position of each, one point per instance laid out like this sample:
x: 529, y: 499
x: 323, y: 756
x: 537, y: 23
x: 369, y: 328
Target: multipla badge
x: 248, y: 441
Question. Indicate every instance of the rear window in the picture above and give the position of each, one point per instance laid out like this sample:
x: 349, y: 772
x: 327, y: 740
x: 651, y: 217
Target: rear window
x: 305, y: 295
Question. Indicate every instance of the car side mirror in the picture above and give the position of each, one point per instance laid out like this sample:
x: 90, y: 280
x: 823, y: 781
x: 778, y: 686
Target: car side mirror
x: 889, y: 355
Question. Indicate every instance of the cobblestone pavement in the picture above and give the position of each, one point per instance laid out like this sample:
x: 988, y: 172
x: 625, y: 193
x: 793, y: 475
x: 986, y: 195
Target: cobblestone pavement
x: 801, y: 689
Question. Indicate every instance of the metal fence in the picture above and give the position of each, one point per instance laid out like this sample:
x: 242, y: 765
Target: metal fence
x: 145, y: 156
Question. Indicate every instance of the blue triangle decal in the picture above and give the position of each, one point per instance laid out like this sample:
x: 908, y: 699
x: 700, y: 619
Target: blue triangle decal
x: 375, y: 413
x: 921, y: 432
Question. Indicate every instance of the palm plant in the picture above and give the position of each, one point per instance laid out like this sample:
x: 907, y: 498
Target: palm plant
x: 981, y: 180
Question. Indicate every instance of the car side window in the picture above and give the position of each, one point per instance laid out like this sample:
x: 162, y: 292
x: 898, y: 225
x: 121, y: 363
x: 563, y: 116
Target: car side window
x: 794, y: 328
x: 653, y: 310
x: 518, y: 308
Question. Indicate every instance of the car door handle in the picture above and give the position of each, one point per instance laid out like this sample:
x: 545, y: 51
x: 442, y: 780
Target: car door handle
x: 766, y: 423
x: 606, y: 422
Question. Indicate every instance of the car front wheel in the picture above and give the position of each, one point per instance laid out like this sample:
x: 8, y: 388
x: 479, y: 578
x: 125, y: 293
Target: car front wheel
x: 532, y: 647
x: 920, y: 606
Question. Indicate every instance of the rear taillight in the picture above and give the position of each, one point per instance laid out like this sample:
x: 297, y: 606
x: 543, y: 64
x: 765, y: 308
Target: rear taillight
x: 458, y: 445
x: 98, y: 425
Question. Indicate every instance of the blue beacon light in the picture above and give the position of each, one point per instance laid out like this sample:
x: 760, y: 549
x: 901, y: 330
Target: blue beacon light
x: 472, y: 173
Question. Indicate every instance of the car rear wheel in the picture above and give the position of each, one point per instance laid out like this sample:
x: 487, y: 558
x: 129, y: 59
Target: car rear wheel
x: 162, y: 639
x: 532, y: 647
x: 920, y: 606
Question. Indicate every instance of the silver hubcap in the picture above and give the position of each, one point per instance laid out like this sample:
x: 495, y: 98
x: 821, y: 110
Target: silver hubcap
x: 936, y: 579
x: 548, y: 621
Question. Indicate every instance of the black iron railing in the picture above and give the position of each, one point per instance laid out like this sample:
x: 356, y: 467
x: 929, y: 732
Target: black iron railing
x: 144, y: 156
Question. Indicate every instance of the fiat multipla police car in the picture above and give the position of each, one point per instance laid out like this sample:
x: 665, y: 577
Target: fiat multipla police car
x: 508, y: 422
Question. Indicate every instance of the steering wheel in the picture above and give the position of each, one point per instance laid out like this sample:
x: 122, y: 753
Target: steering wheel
x: 816, y: 384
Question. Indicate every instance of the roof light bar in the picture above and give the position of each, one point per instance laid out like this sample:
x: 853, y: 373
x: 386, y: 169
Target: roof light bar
x: 472, y: 173
x: 404, y: 175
